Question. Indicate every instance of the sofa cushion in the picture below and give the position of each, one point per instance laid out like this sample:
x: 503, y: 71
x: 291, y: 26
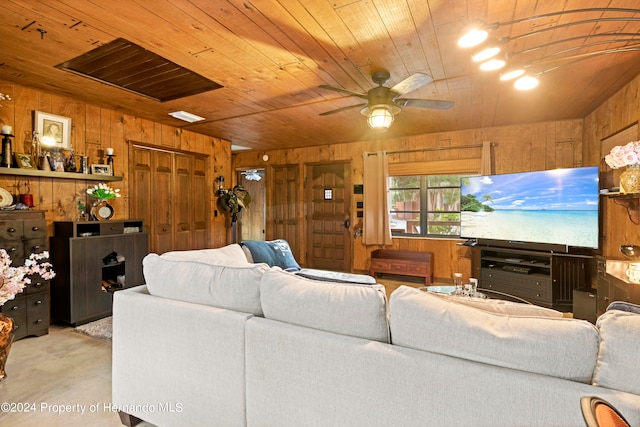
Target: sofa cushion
x: 504, y: 307
x: 227, y: 255
x: 225, y: 286
x: 624, y: 306
x: 559, y: 347
x: 274, y: 253
x: 618, y: 364
x: 348, y: 309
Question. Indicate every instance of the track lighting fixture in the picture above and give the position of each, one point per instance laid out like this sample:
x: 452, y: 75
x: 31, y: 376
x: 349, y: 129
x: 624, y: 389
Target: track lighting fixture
x: 489, y: 61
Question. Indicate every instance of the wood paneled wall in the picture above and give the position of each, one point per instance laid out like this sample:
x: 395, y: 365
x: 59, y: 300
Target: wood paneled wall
x: 92, y: 130
x: 515, y: 148
x: 617, y: 113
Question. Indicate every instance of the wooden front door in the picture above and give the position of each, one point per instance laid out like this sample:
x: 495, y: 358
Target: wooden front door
x: 252, y: 220
x: 329, y: 201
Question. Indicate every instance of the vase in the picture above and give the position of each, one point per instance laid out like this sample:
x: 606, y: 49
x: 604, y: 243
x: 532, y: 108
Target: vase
x: 101, y: 210
x: 630, y: 179
x: 6, y: 338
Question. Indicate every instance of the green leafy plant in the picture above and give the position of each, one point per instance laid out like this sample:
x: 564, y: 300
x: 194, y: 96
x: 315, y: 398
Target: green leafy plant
x: 234, y: 200
x: 103, y: 192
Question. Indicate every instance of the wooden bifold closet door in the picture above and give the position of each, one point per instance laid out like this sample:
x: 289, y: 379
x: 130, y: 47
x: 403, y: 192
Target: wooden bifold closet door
x: 168, y: 190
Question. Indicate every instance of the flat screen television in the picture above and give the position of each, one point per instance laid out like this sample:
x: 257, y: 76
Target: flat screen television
x: 551, y: 207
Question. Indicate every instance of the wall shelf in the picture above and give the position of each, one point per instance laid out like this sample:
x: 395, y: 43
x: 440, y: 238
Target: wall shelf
x: 630, y: 201
x: 51, y: 174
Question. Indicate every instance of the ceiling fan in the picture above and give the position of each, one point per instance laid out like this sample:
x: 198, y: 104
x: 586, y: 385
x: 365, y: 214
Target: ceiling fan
x: 383, y: 103
x: 252, y: 174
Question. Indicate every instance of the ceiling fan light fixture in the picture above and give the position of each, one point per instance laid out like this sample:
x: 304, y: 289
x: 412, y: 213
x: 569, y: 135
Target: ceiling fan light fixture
x: 526, y: 83
x: 473, y: 37
x: 512, y: 73
x: 380, y: 117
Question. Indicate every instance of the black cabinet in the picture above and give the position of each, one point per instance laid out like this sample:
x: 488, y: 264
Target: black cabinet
x: 92, y: 260
x: 21, y: 234
x: 540, y: 277
x: 613, y: 284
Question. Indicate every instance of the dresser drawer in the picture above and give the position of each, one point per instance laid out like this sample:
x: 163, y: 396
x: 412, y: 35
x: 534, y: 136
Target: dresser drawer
x: 34, y: 246
x: 15, y: 249
x: 379, y: 264
x: 16, y: 307
x: 417, y: 269
x: 398, y: 267
x: 17, y: 310
x: 107, y: 228
x: 33, y: 228
x: 38, y: 312
x: 19, y: 327
x: 10, y: 230
x: 38, y: 284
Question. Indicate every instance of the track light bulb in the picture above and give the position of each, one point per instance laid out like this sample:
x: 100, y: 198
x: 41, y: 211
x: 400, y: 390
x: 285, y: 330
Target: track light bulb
x: 526, y: 83
x: 492, y: 64
x: 511, y: 74
x: 472, y: 38
x: 485, y: 54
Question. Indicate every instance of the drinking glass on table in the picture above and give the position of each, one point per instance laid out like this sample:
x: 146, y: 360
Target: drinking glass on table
x: 473, y: 288
x: 457, y: 284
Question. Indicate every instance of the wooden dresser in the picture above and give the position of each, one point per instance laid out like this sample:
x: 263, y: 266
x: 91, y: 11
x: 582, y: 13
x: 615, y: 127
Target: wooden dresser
x: 22, y: 233
x: 405, y: 263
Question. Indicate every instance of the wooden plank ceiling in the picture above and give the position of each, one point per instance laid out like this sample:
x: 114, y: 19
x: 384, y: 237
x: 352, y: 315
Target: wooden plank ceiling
x: 271, y: 56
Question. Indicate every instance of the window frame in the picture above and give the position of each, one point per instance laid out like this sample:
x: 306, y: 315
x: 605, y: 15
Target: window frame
x: 424, y: 211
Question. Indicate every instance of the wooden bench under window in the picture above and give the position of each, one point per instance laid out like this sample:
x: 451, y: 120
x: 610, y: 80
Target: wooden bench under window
x: 405, y: 263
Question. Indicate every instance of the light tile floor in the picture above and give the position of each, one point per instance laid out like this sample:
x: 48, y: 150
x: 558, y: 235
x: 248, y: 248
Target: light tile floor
x: 59, y: 379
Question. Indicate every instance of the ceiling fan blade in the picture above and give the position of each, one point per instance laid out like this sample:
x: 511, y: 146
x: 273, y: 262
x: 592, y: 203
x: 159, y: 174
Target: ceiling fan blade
x: 411, y: 83
x: 425, y: 103
x: 326, y: 113
x: 347, y: 91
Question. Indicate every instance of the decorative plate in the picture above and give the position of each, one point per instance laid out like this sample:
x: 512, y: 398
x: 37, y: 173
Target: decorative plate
x: 6, y: 199
x: 102, y: 210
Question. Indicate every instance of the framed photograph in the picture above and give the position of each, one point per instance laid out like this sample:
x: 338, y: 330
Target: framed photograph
x: 54, y: 131
x: 101, y: 169
x: 24, y: 161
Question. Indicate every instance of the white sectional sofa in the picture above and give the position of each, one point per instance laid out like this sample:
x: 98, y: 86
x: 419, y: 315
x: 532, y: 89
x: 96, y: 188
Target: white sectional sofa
x: 212, y: 340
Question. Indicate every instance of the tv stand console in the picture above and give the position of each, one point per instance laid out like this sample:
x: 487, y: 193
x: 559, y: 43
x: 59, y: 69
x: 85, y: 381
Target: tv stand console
x: 544, y: 278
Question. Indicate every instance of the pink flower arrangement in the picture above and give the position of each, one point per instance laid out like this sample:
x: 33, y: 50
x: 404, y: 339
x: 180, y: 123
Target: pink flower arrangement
x: 624, y: 155
x: 13, y: 280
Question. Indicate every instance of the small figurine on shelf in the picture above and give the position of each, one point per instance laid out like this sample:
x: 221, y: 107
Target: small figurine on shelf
x: 82, y: 214
x: 70, y: 161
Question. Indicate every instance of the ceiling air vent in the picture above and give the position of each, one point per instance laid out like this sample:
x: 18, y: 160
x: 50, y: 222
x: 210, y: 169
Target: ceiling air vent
x: 130, y: 67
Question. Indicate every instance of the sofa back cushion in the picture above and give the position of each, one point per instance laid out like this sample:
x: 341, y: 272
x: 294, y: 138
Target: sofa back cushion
x: 225, y: 286
x: 558, y: 347
x: 349, y: 309
x: 227, y: 255
x: 503, y: 307
x: 618, y: 364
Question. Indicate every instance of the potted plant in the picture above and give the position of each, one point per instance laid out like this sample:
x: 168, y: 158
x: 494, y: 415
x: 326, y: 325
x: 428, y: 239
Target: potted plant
x: 234, y: 200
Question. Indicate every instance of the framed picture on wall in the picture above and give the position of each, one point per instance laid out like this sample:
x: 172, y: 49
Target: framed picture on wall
x: 24, y: 160
x: 54, y: 131
x: 101, y: 169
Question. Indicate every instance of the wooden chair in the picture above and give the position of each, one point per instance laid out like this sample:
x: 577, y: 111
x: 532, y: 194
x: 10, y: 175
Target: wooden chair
x: 598, y: 412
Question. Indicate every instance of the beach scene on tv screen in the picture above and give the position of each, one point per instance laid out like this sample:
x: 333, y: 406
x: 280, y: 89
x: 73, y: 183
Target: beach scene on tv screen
x: 557, y: 206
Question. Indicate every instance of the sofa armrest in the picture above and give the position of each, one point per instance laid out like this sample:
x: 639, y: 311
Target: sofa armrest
x: 177, y: 363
